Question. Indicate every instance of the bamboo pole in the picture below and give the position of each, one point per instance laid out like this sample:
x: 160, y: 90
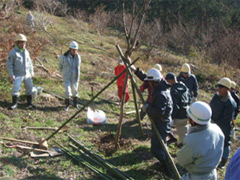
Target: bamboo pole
x: 108, y: 166
x: 18, y: 140
x: 87, y: 104
x: 170, y: 160
x: 83, y: 162
x: 137, y: 111
x: 119, y: 128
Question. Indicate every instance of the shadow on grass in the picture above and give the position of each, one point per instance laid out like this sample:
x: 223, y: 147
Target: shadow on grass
x: 130, y: 129
x: 138, y: 155
x: 49, y: 177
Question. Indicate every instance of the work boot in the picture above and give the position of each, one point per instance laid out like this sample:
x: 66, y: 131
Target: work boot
x: 75, y: 102
x: 222, y: 164
x: 29, y: 102
x: 67, y: 103
x: 14, y: 102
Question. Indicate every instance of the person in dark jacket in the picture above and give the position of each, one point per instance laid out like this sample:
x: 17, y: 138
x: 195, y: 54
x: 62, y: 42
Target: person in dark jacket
x: 181, y: 100
x: 189, y: 80
x: 142, y: 75
x: 223, y: 108
x: 236, y: 98
x: 159, y: 110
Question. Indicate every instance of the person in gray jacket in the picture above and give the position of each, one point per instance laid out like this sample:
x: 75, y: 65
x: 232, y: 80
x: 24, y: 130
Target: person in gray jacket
x: 20, y: 68
x: 69, y: 65
x: 203, y: 146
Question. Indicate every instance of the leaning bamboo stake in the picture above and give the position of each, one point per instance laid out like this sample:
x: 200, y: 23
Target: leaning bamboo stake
x: 20, y: 141
x: 136, y: 108
x: 87, y: 104
x: 119, y: 128
x: 108, y: 166
x: 83, y: 162
x: 153, y: 123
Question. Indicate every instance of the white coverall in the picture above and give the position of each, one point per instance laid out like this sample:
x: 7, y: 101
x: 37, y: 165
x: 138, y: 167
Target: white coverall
x: 30, y: 19
x: 70, y: 68
x: 201, y: 152
x: 20, y: 68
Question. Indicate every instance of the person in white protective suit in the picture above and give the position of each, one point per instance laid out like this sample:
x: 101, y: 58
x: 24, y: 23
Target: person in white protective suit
x: 20, y: 68
x: 69, y: 65
x: 30, y: 19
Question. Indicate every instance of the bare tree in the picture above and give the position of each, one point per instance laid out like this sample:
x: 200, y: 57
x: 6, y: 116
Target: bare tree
x: 132, y: 27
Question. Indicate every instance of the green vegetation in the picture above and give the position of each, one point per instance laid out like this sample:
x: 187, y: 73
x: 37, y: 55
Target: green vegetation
x: 97, y: 69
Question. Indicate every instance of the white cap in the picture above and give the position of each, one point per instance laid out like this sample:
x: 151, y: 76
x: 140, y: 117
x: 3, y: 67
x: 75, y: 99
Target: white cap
x: 21, y: 37
x: 200, y: 112
x: 226, y: 82
x: 158, y: 67
x: 186, y: 68
x: 153, y: 75
x: 233, y: 85
x: 73, y: 45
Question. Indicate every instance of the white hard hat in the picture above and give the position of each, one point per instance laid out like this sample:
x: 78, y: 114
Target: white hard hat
x: 158, y: 67
x: 21, y: 37
x: 186, y: 68
x: 200, y: 112
x: 233, y: 85
x: 226, y: 82
x: 153, y: 75
x: 73, y: 45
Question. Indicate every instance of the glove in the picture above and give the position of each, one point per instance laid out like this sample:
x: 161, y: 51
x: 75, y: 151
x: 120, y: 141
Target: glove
x: 144, y: 107
x: 133, y: 68
x: 234, y: 122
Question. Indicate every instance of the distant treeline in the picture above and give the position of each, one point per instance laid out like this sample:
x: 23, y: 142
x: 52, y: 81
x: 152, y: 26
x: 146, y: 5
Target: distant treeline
x: 204, y: 11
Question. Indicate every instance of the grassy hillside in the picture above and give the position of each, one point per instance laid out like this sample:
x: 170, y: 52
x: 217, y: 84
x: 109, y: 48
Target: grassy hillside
x: 99, y: 57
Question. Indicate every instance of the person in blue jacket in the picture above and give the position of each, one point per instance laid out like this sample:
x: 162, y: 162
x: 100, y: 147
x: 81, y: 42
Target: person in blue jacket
x: 223, y: 109
x: 159, y: 110
x: 181, y: 100
x: 189, y: 80
x: 233, y: 169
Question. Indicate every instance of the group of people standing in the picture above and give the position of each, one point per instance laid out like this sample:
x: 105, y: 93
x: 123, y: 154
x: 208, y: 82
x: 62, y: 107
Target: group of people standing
x: 204, y: 130
x: 170, y: 99
x: 20, y: 68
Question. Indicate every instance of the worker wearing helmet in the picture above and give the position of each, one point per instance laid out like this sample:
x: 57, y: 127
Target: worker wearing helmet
x: 181, y: 100
x: 20, y: 68
x: 159, y: 110
x: 203, y: 146
x: 236, y: 98
x: 69, y: 65
x: 189, y: 80
x: 146, y: 85
x: 223, y: 109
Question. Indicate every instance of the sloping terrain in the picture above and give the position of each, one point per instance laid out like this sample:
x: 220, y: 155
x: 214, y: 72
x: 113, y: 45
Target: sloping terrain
x: 99, y: 57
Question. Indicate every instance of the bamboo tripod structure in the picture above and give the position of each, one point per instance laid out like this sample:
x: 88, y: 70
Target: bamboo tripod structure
x: 170, y: 160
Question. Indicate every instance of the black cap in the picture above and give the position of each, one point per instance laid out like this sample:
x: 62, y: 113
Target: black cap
x: 170, y: 75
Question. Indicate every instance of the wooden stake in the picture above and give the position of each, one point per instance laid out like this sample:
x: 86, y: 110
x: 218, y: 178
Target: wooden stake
x: 119, y: 128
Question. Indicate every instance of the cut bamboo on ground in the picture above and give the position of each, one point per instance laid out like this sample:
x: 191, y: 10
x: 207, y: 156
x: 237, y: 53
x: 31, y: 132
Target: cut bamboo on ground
x: 84, y: 163
x: 104, y: 163
x: 170, y: 160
